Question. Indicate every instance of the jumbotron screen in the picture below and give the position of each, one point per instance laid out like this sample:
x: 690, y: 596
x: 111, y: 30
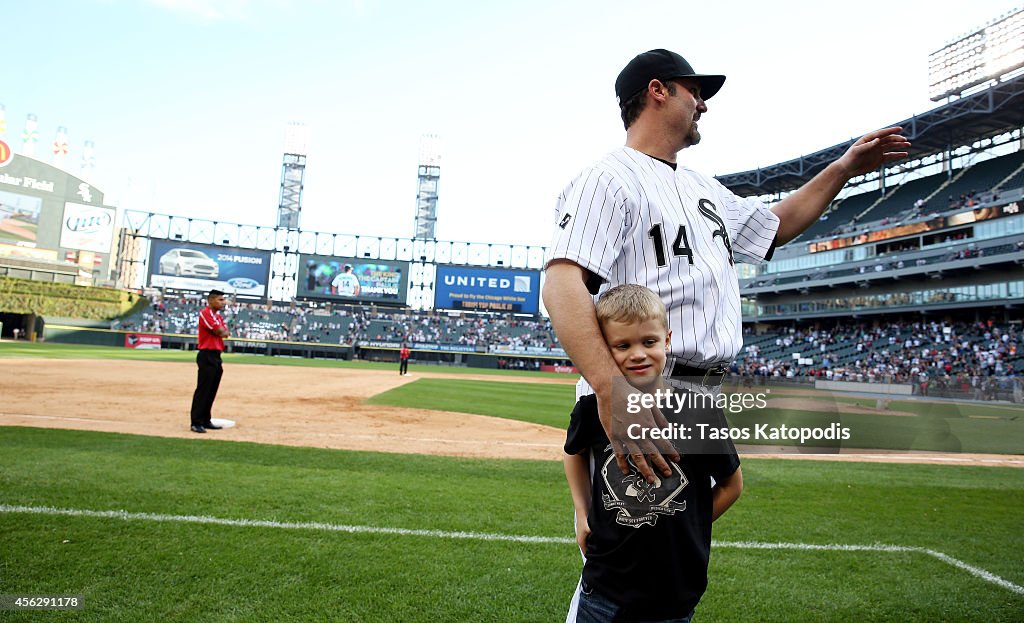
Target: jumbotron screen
x: 192, y: 267
x: 353, y: 279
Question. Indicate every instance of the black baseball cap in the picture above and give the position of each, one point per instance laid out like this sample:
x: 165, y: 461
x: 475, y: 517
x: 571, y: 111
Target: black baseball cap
x: 663, y: 65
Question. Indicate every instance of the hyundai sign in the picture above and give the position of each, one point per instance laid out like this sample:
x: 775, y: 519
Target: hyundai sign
x: 487, y: 289
x: 193, y: 267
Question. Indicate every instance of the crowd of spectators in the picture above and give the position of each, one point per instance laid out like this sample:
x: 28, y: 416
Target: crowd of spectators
x: 931, y: 356
x: 348, y: 325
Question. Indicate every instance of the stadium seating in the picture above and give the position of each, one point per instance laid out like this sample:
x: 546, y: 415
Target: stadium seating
x: 893, y: 261
x: 977, y: 182
x: 980, y: 178
x: 895, y: 352
x: 1014, y: 181
x: 841, y: 214
x: 905, y: 195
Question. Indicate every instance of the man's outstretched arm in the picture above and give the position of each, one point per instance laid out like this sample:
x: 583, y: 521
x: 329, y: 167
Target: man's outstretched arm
x: 804, y: 207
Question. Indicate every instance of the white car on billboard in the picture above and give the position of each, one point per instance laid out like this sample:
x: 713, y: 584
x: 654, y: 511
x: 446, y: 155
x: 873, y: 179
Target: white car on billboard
x: 188, y: 263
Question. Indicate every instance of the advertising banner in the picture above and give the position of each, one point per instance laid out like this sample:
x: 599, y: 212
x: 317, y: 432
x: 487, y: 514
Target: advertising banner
x: 559, y: 369
x: 10, y: 250
x: 87, y: 228
x: 447, y: 348
x: 19, y: 218
x: 193, y: 267
x: 353, y: 279
x: 144, y: 341
x: 487, y: 289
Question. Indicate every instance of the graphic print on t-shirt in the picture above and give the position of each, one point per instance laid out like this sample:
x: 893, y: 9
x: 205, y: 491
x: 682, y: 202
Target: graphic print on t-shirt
x: 638, y: 502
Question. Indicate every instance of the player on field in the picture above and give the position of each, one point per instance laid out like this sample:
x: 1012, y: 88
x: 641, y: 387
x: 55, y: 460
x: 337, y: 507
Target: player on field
x: 636, y: 216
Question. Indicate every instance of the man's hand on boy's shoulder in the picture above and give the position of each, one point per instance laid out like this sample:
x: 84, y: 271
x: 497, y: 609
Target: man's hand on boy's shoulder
x: 623, y: 420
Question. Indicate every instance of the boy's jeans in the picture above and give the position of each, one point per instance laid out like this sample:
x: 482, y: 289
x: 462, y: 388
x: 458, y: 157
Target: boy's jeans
x: 593, y: 608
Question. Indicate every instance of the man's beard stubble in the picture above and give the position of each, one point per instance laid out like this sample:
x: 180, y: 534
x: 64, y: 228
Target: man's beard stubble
x: 693, y: 137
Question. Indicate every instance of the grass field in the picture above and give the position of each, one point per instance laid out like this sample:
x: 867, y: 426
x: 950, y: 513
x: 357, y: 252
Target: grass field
x: 358, y: 536
x: 135, y: 570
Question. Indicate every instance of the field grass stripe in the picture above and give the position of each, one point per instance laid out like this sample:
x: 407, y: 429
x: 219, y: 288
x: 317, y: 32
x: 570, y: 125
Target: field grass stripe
x: 488, y: 536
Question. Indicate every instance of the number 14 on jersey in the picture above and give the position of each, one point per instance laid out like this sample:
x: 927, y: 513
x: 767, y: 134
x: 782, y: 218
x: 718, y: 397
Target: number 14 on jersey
x: 680, y: 246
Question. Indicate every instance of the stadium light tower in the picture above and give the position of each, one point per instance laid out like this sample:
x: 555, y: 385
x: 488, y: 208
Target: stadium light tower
x: 987, y: 53
x: 60, y: 147
x: 30, y: 136
x: 88, y: 160
x: 428, y: 176
x: 293, y: 172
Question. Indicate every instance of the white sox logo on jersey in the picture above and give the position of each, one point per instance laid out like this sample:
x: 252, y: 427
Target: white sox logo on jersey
x: 708, y: 211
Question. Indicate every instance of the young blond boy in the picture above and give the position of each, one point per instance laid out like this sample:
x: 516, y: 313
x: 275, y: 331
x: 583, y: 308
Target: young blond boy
x: 645, y: 547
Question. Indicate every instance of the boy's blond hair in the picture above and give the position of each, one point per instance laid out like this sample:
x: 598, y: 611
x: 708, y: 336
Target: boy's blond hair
x: 630, y: 303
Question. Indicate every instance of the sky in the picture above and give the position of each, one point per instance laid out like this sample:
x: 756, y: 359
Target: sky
x: 187, y: 101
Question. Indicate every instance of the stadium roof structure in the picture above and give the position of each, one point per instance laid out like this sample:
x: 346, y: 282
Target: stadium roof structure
x: 996, y: 110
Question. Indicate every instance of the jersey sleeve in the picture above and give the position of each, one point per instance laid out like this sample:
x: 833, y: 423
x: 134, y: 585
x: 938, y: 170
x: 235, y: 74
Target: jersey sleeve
x: 584, y: 426
x: 752, y: 226
x: 591, y: 223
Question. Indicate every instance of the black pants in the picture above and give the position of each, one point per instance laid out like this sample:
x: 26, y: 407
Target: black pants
x: 403, y: 367
x: 210, y: 371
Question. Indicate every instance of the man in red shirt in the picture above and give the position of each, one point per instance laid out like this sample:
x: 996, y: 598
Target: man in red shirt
x: 403, y: 356
x: 212, y: 331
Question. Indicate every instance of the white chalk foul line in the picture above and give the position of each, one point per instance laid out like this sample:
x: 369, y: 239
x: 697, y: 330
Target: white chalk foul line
x: 261, y: 523
x: 59, y: 417
x: 489, y: 536
x: 977, y: 572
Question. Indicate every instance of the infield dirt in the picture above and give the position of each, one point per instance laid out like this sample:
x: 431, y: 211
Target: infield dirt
x: 296, y: 406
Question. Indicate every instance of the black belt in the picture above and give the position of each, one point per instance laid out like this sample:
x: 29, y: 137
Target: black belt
x: 711, y: 377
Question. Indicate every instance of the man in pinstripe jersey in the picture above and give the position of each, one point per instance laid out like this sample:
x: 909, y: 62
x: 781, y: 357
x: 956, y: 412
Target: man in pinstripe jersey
x: 635, y: 216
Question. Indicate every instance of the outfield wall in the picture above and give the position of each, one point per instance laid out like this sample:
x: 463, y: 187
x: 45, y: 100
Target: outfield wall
x: 895, y: 389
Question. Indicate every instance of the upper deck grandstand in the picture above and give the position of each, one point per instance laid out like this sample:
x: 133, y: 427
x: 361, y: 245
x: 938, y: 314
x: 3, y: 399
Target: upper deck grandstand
x: 940, y: 235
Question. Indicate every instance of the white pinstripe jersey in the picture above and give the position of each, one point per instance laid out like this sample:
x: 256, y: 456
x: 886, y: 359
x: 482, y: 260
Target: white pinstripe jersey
x: 631, y: 218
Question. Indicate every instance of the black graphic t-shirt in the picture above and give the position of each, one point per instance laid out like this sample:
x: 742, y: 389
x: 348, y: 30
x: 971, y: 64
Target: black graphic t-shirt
x: 649, y: 545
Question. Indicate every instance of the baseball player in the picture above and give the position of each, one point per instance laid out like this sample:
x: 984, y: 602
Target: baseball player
x: 345, y: 283
x: 636, y: 216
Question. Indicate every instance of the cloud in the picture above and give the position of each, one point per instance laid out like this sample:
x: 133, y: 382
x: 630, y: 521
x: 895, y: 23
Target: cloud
x: 241, y: 10
x: 210, y: 10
